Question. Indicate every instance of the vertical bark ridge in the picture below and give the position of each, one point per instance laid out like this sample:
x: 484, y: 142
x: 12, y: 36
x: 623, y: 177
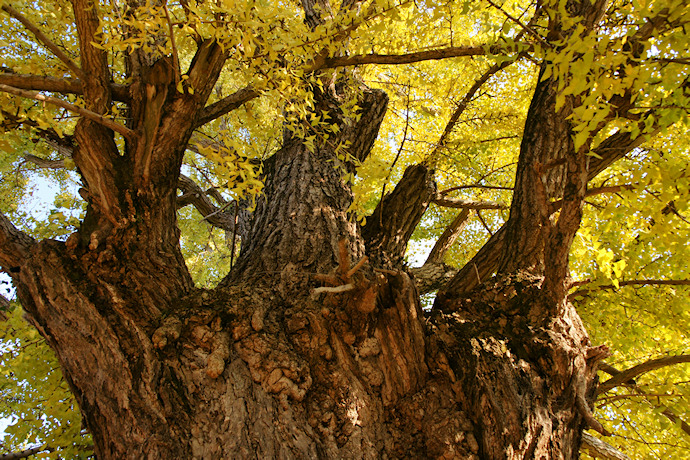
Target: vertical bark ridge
x: 99, y: 331
x: 300, y: 218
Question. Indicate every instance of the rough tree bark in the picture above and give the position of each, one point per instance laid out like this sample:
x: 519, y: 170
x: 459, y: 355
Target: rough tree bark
x: 306, y: 349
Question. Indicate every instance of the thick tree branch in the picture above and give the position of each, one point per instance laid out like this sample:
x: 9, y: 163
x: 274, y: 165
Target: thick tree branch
x: 57, y: 85
x: 15, y: 245
x: 96, y: 75
x: 362, y: 134
x: 390, y: 226
x: 43, y: 163
x: 43, y: 38
x: 613, y: 148
x: 225, y: 105
x: 640, y: 369
x: 100, y: 119
x: 432, y: 277
x: 434, y: 273
x: 486, y: 261
x: 204, y: 71
x: 478, y: 269
x: 409, y: 58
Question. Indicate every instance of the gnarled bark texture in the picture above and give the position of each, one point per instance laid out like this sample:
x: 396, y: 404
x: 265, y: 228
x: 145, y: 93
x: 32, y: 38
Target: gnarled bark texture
x: 306, y: 349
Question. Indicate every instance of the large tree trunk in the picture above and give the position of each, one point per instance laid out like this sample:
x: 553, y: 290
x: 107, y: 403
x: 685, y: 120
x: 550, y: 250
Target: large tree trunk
x: 306, y: 350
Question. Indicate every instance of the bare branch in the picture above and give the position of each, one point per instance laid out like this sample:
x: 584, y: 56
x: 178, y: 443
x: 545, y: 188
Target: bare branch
x: 640, y: 369
x: 15, y: 246
x: 57, y: 85
x: 100, y: 119
x: 462, y: 105
x: 583, y: 291
x: 225, y: 105
x: 41, y: 37
x: 464, y: 187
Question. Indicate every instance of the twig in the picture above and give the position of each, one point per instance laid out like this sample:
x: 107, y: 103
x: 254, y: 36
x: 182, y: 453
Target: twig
x: 357, y: 266
x: 525, y: 27
x: 476, y: 271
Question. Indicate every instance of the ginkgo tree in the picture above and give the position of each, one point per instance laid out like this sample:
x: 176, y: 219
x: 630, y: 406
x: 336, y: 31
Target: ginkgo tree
x: 226, y: 270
